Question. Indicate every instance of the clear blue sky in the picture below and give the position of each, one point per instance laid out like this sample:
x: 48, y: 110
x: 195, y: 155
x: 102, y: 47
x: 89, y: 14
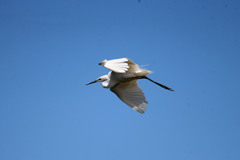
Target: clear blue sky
x: 49, y: 50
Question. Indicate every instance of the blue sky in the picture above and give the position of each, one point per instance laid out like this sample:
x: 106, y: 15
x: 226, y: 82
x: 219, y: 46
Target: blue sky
x: 50, y: 49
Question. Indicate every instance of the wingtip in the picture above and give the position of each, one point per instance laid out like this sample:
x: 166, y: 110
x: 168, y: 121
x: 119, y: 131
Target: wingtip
x: 140, y: 111
x: 141, y: 108
x: 103, y: 62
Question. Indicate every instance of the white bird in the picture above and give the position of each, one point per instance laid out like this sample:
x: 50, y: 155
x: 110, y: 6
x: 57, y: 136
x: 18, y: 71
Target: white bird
x: 122, y: 80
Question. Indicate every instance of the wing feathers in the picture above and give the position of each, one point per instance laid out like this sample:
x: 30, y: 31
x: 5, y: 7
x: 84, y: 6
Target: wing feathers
x: 132, y: 95
x: 121, y: 65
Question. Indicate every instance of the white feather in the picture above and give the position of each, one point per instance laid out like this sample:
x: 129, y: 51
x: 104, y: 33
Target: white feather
x: 117, y: 65
x: 122, y: 80
x: 131, y: 94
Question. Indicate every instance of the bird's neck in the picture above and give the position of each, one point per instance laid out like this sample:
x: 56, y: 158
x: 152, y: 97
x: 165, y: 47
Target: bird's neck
x: 105, y: 84
x: 109, y: 83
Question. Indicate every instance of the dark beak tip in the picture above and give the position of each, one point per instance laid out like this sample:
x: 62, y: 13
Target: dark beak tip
x: 91, y: 82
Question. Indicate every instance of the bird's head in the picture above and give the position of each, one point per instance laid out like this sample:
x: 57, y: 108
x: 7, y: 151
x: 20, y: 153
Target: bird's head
x: 100, y: 79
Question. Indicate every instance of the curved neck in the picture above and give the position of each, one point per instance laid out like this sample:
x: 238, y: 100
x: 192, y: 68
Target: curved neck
x: 105, y: 84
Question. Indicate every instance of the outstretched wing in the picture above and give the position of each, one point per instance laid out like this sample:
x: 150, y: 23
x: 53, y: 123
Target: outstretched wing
x: 121, y: 65
x: 131, y: 94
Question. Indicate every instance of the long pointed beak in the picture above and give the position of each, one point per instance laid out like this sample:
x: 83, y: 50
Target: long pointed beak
x: 91, y: 82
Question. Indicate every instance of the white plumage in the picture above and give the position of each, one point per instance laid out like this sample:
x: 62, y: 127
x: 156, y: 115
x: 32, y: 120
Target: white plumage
x: 131, y: 94
x: 116, y: 65
x: 122, y: 80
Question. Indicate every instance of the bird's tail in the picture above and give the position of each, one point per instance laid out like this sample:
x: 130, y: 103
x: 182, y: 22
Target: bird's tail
x: 143, y: 73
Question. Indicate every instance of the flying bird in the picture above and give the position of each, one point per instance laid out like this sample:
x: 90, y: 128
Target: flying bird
x: 122, y: 80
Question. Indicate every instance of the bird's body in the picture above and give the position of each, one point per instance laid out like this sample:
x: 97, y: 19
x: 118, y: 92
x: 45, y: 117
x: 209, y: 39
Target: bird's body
x: 122, y: 80
x: 113, y: 78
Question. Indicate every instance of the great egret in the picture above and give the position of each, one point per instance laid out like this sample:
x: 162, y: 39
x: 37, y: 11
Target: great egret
x: 122, y: 80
